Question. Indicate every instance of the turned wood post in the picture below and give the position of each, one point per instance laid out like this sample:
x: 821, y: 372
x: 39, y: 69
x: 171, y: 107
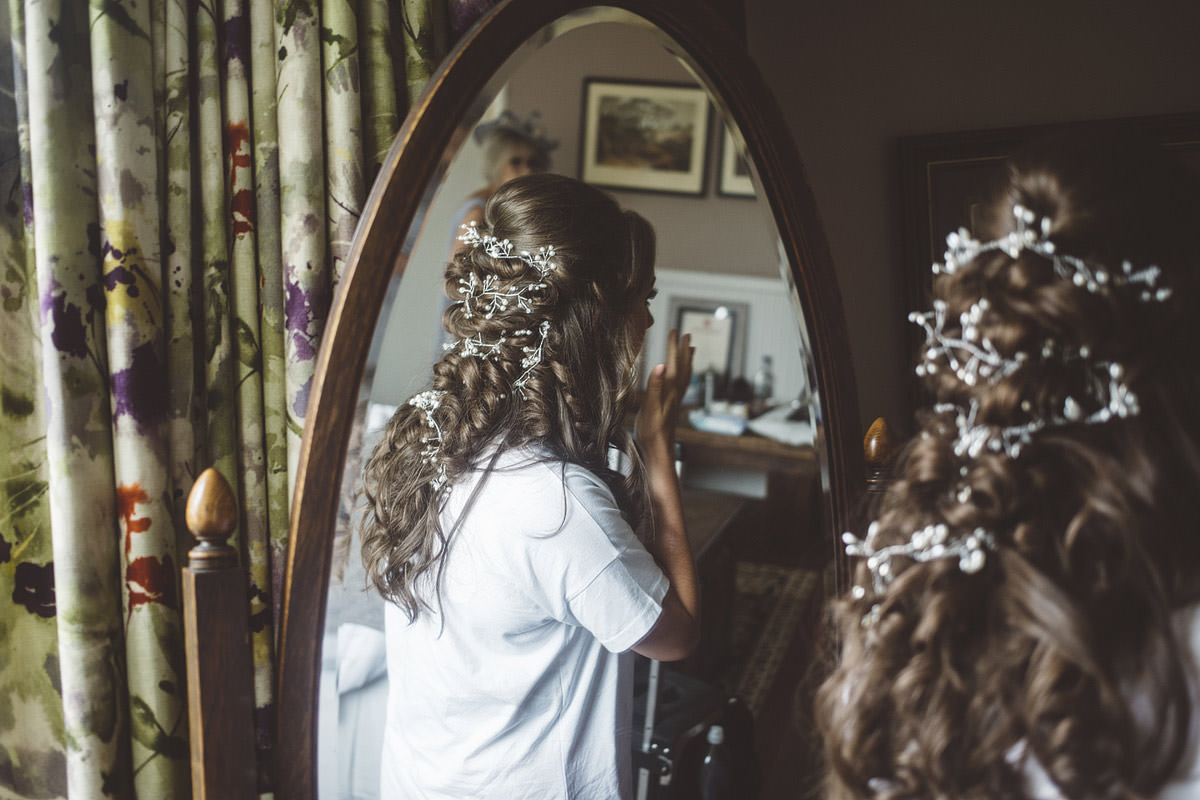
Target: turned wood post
x: 877, y: 452
x: 877, y: 455
x: 220, y: 682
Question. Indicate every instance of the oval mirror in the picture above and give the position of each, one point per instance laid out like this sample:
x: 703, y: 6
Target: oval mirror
x: 401, y: 222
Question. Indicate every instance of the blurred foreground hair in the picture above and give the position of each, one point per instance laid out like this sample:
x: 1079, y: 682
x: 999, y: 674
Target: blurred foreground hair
x: 1059, y: 652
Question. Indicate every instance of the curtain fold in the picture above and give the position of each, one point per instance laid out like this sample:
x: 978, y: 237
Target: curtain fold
x: 271, y: 297
x: 32, y: 761
x: 84, y: 574
x: 342, y: 93
x: 307, y: 283
x: 127, y: 229
x: 182, y: 183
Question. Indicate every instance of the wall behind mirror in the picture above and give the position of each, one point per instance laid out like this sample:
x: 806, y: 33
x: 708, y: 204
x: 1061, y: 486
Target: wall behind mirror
x: 851, y: 79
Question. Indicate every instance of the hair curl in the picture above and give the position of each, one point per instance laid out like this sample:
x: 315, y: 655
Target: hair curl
x: 1062, y: 645
x: 573, y: 404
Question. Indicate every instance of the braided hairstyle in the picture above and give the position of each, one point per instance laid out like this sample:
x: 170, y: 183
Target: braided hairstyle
x: 1061, y: 648
x: 571, y: 405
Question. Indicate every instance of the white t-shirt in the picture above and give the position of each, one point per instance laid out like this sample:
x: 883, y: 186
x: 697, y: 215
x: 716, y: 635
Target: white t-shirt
x: 1186, y: 784
x: 520, y: 685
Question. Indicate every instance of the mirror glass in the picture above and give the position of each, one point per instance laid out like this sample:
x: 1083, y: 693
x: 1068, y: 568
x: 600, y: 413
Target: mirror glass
x: 751, y: 472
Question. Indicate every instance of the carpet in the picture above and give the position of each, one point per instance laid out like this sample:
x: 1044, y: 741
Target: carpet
x: 768, y: 607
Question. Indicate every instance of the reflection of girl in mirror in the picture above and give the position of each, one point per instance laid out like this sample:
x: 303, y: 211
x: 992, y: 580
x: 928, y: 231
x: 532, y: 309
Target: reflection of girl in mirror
x: 510, y: 548
x: 1026, y: 624
x: 512, y: 147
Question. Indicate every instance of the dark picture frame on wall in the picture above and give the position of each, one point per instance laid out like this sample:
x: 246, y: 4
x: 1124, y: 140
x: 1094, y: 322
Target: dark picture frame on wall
x: 644, y: 136
x: 733, y: 173
x: 946, y: 177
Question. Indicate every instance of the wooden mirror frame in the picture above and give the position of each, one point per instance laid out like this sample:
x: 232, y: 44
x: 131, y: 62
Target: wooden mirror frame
x: 709, y: 47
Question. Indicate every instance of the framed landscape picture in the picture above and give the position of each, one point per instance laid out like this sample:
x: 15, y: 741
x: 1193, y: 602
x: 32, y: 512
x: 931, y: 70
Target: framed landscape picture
x: 644, y: 136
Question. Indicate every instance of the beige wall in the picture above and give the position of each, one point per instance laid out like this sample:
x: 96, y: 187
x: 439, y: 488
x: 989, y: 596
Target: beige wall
x: 708, y: 233
x: 852, y: 76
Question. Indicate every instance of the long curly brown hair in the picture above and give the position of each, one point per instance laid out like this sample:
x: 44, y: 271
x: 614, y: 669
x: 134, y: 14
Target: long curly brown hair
x: 1062, y: 646
x: 575, y: 401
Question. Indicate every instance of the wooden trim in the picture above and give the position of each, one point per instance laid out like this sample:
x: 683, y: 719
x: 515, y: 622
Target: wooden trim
x: 721, y: 62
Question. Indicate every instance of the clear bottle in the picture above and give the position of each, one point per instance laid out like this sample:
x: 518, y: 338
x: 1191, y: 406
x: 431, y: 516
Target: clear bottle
x: 716, y: 771
x: 764, y: 382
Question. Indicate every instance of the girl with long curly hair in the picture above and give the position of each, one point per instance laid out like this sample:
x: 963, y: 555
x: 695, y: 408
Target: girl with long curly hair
x: 1024, y: 619
x: 526, y: 541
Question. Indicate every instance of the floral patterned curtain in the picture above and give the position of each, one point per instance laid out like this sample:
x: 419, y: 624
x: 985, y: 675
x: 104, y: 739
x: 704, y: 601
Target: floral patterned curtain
x: 182, y: 179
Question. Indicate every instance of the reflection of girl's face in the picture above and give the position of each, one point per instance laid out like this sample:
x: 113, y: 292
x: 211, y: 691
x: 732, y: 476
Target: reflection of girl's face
x: 642, y: 319
x: 520, y: 161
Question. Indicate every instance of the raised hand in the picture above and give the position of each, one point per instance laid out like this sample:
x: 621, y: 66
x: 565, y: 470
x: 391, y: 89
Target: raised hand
x: 677, y: 631
x: 664, y: 391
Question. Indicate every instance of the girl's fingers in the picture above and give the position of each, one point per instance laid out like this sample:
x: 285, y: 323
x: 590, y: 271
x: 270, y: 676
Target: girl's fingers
x: 672, y: 355
x: 654, y: 384
x: 686, y: 353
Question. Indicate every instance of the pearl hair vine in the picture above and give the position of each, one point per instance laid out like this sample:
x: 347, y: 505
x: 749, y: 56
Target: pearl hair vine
x: 1106, y: 388
x: 428, y: 402
x: 478, y: 347
x: 486, y: 297
x: 542, y: 260
x: 981, y: 359
x: 1031, y: 235
x: 533, y: 356
x: 484, y: 350
x: 931, y: 543
x: 974, y: 359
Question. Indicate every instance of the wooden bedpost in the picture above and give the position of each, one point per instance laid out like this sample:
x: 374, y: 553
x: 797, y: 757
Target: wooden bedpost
x: 217, y: 641
x: 877, y: 456
x: 877, y: 452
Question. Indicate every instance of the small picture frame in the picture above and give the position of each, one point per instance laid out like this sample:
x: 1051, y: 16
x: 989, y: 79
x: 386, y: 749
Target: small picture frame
x: 644, y: 136
x: 718, y: 332
x: 733, y: 178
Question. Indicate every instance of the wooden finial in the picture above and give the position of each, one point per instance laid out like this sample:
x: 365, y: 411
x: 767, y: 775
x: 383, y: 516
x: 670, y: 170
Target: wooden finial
x: 877, y: 451
x: 877, y: 444
x: 212, y: 515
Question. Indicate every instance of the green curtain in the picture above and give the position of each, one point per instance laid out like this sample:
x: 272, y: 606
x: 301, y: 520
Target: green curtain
x: 182, y: 180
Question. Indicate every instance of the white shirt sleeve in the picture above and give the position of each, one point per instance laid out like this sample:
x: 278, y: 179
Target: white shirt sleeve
x: 592, y: 571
